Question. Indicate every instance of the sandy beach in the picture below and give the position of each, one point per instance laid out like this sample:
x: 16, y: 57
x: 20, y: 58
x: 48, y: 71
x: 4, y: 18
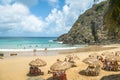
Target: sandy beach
x: 16, y: 67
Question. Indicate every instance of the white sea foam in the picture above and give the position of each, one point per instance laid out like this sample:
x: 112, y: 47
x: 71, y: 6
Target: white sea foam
x: 60, y: 42
x: 40, y: 49
x: 50, y: 40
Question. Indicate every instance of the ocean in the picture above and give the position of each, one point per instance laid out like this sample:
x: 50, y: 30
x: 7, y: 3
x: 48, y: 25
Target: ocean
x: 33, y: 43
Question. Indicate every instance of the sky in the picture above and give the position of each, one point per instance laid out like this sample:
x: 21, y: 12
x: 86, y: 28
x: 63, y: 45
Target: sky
x: 40, y: 18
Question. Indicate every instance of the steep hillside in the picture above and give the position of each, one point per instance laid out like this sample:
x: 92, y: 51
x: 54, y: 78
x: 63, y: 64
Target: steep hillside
x: 112, y: 19
x: 88, y: 28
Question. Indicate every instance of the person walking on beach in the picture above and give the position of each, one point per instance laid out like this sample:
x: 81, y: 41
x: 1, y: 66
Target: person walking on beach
x: 45, y: 50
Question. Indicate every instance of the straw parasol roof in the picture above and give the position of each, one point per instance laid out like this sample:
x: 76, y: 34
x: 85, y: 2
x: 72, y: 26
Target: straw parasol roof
x: 94, y: 55
x: 107, y: 54
x: 113, y: 58
x: 33, y: 63
x: 91, y: 61
x: 60, y: 65
x: 73, y: 57
x: 117, y: 53
x: 41, y: 62
x: 37, y: 63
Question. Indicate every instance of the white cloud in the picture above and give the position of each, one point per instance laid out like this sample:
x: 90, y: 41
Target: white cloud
x: 66, y: 9
x: 16, y: 18
x: 32, y: 24
x: 62, y: 21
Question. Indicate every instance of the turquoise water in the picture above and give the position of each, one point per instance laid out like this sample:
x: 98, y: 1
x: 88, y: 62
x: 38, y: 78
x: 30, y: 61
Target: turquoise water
x: 30, y: 43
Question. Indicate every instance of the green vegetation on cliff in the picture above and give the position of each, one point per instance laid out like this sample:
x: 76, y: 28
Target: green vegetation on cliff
x: 112, y: 19
x: 100, y: 23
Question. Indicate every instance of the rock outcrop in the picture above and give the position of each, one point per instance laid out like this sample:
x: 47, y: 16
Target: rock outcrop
x: 88, y: 28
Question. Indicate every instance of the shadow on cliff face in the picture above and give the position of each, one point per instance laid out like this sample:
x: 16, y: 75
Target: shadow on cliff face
x: 111, y: 77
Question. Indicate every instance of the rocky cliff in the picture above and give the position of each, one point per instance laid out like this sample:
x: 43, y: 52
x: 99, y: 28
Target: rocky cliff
x: 88, y: 28
x: 112, y: 19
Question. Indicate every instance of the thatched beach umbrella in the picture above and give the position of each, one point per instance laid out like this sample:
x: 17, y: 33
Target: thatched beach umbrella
x: 73, y: 57
x: 37, y: 63
x: 107, y: 53
x: 117, y: 53
x: 113, y: 58
x: 95, y: 55
x: 92, y: 61
x: 60, y: 65
x: 40, y: 62
x: 33, y: 63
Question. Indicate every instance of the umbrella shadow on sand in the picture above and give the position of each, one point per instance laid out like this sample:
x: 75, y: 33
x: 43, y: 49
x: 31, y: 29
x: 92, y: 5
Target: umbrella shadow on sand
x: 109, y: 70
x: 111, y: 77
x: 50, y: 78
x: 82, y: 72
x: 35, y: 78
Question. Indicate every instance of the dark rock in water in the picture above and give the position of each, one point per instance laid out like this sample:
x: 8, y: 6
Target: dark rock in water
x: 89, y: 27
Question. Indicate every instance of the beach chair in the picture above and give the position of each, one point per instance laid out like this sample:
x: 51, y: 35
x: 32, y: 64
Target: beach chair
x: 55, y: 76
x: 87, y: 71
x: 62, y: 75
x: 31, y: 71
x: 39, y: 72
x: 34, y: 71
x: 59, y: 75
x: 117, y: 53
x: 92, y: 70
x: 109, y: 67
x: 106, y: 65
x: 49, y: 72
x: 100, y: 58
x: 114, y: 66
x: 97, y: 70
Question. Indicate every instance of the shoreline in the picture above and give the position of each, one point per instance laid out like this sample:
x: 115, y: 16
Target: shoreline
x: 55, y: 51
x: 82, y: 47
x: 41, y: 49
x: 86, y: 48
